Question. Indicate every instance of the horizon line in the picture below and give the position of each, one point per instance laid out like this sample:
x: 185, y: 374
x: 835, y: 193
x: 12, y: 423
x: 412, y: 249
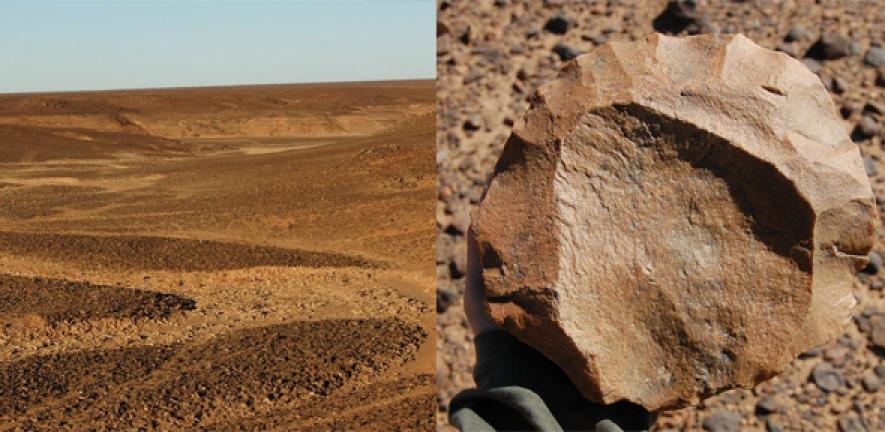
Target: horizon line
x: 209, y: 86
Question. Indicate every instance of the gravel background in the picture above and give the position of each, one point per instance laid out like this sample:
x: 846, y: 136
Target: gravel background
x: 491, y: 56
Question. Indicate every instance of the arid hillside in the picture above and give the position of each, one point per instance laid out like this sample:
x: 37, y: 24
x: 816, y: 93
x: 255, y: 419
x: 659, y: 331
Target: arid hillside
x: 232, y: 258
x: 304, y: 110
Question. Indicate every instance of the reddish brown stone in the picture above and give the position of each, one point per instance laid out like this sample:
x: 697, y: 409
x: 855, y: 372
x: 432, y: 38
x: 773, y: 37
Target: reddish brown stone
x: 676, y: 217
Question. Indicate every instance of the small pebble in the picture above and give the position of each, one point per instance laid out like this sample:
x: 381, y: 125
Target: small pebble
x: 814, y: 352
x: 565, y: 52
x: 473, y: 122
x: 797, y: 33
x: 850, y: 422
x: 875, y: 259
x: 877, y: 334
x: 557, y: 25
x: 872, y: 168
x: 868, y: 126
x: 812, y: 64
x: 788, y: 49
x: 839, y: 85
x: 872, y: 108
x: 836, y: 355
x: 857, y: 407
x: 768, y: 405
x: 444, y: 299
x: 830, y: 46
x: 597, y: 39
x: 772, y: 425
x: 874, y: 57
x: 722, y: 421
x: 852, y: 107
x: 871, y: 382
x: 464, y: 38
x: 826, y: 377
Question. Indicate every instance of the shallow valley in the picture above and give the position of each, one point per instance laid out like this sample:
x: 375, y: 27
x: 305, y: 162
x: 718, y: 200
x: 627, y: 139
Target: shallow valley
x: 224, y: 258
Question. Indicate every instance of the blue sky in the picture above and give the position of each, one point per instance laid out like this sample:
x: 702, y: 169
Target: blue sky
x: 76, y: 45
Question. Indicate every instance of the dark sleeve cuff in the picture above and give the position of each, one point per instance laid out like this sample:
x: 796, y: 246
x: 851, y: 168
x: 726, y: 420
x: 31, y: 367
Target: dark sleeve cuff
x: 505, y: 362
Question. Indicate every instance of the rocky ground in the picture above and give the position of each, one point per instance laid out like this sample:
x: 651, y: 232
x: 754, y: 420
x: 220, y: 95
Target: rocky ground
x: 246, y: 258
x: 492, y: 54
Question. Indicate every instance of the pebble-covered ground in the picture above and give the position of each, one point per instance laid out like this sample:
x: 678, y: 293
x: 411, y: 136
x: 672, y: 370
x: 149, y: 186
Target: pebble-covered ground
x: 491, y: 56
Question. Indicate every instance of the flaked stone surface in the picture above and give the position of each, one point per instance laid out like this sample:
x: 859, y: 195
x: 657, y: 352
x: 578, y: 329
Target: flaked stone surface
x: 675, y: 217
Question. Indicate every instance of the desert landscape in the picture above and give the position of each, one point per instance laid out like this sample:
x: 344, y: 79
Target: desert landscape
x: 491, y: 58
x: 236, y: 258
